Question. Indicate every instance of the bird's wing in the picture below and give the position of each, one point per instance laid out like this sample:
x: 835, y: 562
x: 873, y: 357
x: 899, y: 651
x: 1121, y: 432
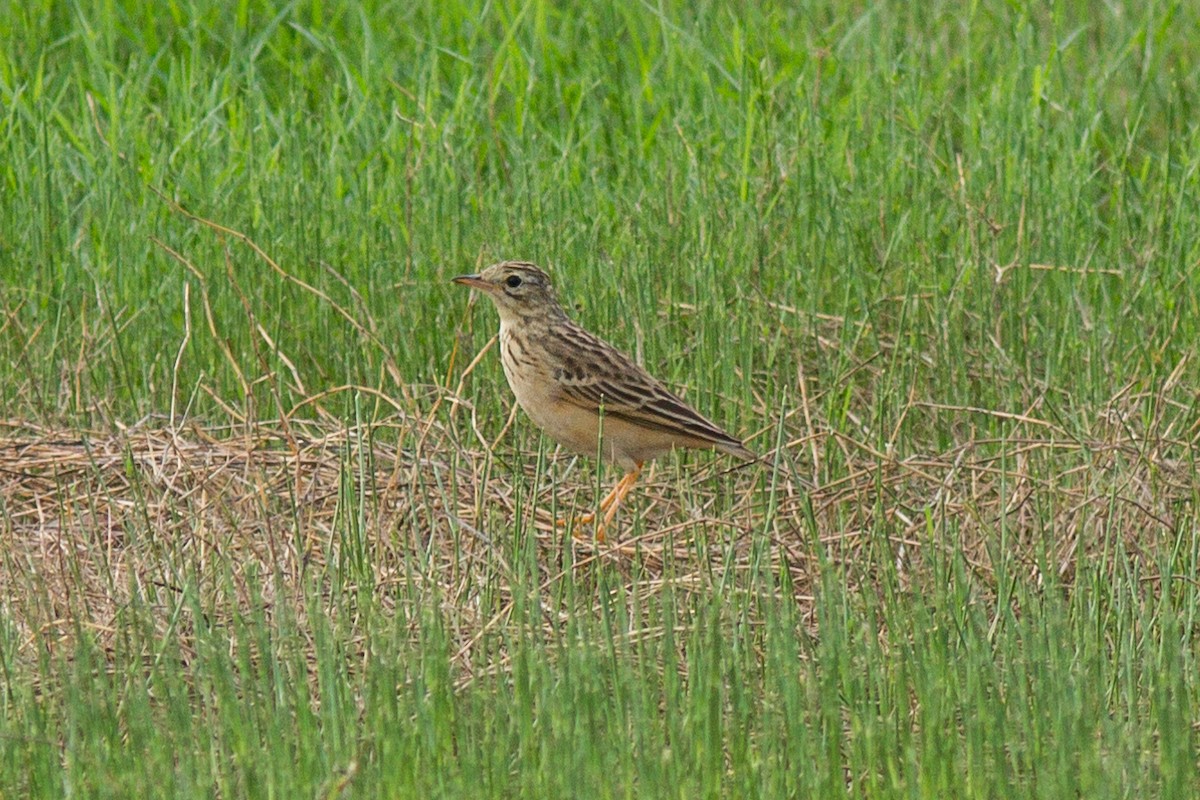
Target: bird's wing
x: 604, y: 380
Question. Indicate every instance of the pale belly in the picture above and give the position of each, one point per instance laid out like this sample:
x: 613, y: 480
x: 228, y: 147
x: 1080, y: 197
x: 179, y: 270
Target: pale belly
x: 576, y: 428
x: 572, y: 427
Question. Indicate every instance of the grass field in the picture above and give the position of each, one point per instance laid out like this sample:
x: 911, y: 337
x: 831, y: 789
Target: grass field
x: 269, y: 529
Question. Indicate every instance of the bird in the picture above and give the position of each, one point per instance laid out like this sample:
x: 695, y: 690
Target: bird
x: 584, y: 393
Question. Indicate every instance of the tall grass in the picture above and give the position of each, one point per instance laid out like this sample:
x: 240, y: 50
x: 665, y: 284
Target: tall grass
x: 904, y: 247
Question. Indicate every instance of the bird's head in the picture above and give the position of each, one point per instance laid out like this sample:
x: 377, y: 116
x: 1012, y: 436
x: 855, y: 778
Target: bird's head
x: 518, y: 288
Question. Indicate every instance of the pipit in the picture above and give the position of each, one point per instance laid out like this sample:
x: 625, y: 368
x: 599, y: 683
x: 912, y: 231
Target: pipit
x: 583, y: 392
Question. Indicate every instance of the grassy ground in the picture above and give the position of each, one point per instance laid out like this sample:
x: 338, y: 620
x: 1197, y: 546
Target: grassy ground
x: 268, y: 528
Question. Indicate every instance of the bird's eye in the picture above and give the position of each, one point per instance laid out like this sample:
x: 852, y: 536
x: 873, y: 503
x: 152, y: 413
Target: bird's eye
x: 513, y: 281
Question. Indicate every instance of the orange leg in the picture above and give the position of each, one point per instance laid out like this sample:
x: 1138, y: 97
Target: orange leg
x: 618, y: 494
x: 608, y: 506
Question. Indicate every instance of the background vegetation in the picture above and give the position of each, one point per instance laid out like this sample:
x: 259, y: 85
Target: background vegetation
x: 267, y: 527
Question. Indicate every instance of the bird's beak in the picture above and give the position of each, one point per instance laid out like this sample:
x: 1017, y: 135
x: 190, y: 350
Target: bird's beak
x: 474, y: 281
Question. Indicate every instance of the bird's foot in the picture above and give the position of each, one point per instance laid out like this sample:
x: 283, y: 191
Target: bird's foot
x: 577, y: 524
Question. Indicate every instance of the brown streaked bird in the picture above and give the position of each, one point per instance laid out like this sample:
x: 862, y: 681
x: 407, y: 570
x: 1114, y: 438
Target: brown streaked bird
x: 579, y: 389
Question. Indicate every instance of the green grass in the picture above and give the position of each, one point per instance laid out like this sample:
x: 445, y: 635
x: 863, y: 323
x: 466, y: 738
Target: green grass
x: 939, y: 260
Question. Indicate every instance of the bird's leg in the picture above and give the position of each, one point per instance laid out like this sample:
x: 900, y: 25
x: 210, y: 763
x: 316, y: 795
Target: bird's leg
x: 586, y: 519
x: 608, y: 506
x: 616, y: 497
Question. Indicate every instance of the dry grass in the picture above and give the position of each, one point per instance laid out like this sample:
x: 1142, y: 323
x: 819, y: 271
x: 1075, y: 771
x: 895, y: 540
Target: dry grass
x: 93, y: 520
